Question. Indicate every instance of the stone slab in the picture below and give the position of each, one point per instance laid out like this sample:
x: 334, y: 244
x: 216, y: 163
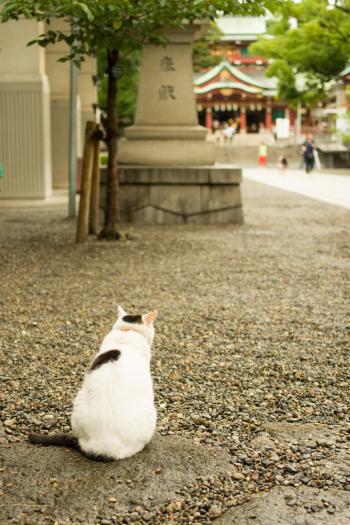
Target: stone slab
x: 152, y: 215
x: 292, y: 506
x: 186, y: 174
x: 179, y: 194
x: 168, y: 151
x: 64, y: 485
x: 232, y: 215
x: 166, y: 132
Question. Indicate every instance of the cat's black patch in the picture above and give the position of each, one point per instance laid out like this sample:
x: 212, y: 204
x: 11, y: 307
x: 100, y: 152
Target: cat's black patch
x: 106, y: 357
x: 133, y: 319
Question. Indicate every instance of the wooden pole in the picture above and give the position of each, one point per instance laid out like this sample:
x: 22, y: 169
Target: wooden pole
x: 86, y: 177
x: 94, y: 220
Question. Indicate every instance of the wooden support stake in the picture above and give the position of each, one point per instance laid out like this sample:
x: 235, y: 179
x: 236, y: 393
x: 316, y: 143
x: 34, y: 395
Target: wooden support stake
x: 86, y: 177
x: 94, y: 220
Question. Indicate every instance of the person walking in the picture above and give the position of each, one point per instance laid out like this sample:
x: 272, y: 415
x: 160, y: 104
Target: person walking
x: 262, y: 155
x: 282, y: 164
x: 308, y: 153
x: 229, y: 132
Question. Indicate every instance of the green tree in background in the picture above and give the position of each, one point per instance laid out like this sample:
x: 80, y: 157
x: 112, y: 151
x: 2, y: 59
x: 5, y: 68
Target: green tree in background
x: 116, y: 28
x: 309, y: 44
x: 203, y: 58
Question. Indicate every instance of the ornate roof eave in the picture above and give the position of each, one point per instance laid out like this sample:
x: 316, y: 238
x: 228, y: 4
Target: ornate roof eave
x: 235, y: 37
x: 228, y: 84
x: 216, y: 70
x: 269, y: 92
x: 346, y: 71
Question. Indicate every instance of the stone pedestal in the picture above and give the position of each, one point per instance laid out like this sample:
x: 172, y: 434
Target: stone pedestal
x: 166, y: 129
x: 24, y: 113
x: 166, y: 167
x: 179, y: 194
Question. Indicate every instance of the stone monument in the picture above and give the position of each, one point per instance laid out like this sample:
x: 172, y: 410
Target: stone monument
x: 167, y: 170
x: 166, y: 129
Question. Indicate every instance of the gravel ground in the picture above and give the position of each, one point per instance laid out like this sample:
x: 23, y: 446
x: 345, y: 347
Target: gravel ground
x: 253, y: 330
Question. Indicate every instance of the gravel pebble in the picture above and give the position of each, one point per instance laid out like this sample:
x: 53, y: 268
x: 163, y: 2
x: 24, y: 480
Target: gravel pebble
x: 253, y: 330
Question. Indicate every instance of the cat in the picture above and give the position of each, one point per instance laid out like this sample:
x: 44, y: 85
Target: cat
x: 114, y: 416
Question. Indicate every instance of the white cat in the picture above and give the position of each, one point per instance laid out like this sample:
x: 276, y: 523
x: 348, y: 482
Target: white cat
x: 113, y: 414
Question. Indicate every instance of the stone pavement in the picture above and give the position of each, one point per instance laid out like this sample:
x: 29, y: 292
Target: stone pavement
x: 157, y: 486
x: 323, y: 186
x: 58, y: 200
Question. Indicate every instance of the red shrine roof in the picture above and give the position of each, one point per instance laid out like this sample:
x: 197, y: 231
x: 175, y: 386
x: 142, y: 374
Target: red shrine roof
x: 224, y: 78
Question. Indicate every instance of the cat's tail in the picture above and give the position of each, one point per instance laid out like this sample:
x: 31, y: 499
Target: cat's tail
x: 63, y: 440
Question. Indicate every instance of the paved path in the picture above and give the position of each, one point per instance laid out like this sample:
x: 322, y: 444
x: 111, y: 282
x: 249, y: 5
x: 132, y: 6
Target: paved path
x: 58, y: 200
x: 326, y: 187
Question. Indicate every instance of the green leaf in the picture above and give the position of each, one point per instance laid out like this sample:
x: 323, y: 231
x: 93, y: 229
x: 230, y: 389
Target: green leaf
x: 84, y: 8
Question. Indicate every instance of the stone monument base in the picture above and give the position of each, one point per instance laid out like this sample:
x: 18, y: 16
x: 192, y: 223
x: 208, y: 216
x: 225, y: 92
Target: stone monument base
x: 179, y: 194
x: 159, y: 152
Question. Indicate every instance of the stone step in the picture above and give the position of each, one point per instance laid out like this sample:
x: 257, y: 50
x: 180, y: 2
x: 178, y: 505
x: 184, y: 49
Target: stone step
x: 248, y: 155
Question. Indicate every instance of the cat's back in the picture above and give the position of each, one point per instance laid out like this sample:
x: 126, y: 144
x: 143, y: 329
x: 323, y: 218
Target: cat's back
x: 118, y: 388
x: 124, y: 340
x: 120, y: 368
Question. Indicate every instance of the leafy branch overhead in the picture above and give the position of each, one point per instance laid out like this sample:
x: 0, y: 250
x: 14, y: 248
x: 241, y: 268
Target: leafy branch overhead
x: 114, y: 29
x: 309, y: 45
x: 120, y: 24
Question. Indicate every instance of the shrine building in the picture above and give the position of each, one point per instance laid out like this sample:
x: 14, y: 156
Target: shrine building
x: 237, y: 89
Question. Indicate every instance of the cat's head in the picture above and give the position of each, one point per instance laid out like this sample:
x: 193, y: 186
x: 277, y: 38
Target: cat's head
x: 139, y: 323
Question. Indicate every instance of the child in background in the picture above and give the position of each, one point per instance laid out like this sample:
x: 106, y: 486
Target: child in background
x: 262, y: 155
x: 282, y: 164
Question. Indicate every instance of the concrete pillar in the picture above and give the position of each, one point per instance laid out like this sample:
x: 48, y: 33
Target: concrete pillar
x: 24, y: 113
x: 87, y: 90
x: 208, y: 118
x: 166, y: 129
x: 308, y: 118
x: 292, y: 117
x: 268, y: 119
x: 59, y: 77
x: 243, y: 120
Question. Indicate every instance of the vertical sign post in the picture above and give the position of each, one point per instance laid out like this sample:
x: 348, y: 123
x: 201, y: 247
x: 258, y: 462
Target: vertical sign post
x: 72, y: 139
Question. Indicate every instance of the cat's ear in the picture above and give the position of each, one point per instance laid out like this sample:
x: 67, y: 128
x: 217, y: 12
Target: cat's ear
x: 150, y: 317
x: 121, y: 311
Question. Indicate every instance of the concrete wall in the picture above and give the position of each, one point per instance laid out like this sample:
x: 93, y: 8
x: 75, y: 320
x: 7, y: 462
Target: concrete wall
x: 34, y: 111
x: 25, y: 149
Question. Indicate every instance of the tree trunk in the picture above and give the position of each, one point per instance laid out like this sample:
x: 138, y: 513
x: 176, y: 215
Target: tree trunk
x: 111, y: 218
x: 94, y: 219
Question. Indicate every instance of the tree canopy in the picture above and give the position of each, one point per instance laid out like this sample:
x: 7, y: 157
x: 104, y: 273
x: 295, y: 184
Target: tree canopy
x: 309, y: 45
x: 121, y: 24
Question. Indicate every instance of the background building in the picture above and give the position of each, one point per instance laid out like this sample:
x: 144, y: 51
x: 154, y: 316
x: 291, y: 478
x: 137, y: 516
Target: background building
x: 238, y: 88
